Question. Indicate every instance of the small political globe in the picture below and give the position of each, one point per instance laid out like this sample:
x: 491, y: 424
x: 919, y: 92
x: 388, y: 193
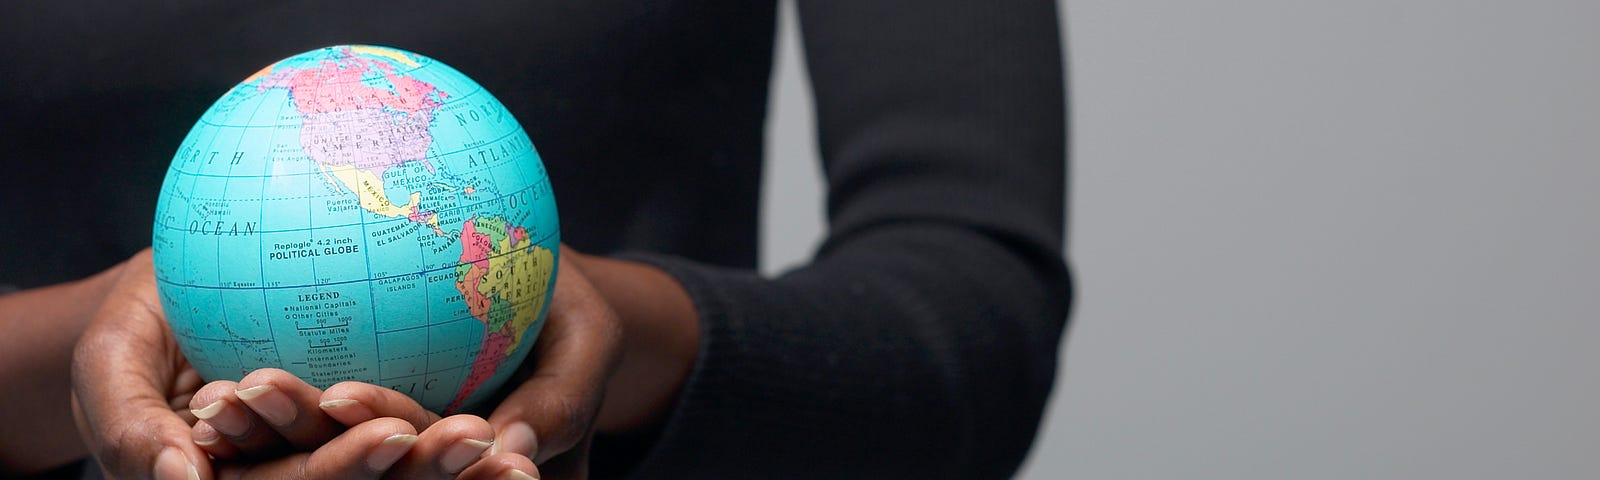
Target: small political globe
x: 358, y: 213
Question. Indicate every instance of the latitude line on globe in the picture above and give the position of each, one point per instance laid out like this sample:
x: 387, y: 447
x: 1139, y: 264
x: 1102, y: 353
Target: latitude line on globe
x: 524, y: 303
x: 541, y: 239
x: 446, y: 103
x: 468, y: 317
x: 496, y: 140
x: 398, y: 220
x: 380, y: 377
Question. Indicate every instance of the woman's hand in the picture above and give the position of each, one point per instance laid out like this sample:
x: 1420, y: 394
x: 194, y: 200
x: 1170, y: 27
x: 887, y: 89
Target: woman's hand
x: 660, y: 344
x: 271, y: 418
x: 549, y: 414
x: 133, y: 390
x: 130, y: 384
x: 41, y: 327
x: 568, y: 392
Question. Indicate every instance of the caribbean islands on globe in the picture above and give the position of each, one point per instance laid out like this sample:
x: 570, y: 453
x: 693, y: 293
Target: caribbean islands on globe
x: 358, y: 213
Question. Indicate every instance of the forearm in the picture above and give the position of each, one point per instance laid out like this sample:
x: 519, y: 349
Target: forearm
x: 41, y: 327
x: 907, y: 351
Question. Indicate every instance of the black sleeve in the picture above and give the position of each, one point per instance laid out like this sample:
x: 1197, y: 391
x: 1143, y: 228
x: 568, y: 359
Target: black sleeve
x: 921, y: 342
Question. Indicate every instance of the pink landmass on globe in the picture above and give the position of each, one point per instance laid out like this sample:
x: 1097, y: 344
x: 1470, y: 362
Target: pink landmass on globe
x: 358, y: 124
x: 356, y: 131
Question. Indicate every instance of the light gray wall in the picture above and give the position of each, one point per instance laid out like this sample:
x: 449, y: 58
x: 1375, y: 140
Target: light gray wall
x: 1315, y: 239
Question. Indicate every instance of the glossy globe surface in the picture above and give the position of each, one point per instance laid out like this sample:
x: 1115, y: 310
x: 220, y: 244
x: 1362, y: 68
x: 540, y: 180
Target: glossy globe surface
x: 358, y: 213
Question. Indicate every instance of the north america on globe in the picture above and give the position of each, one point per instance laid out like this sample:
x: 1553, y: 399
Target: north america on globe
x: 358, y: 213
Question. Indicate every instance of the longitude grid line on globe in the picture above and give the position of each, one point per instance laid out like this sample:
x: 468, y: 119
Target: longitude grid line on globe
x: 261, y: 241
x: 372, y: 297
x: 427, y: 360
x: 227, y: 319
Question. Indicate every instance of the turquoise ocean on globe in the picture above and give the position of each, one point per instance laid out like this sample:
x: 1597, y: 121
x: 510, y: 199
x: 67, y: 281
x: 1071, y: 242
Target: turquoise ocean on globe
x: 358, y: 213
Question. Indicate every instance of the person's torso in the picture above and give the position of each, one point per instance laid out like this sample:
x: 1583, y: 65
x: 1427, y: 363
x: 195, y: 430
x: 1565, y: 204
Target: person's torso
x: 647, y: 114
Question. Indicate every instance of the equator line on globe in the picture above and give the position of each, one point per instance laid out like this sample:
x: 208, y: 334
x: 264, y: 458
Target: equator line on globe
x: 358, y: 213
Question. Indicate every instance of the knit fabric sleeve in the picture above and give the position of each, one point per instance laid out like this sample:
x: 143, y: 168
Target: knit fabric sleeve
x: 921, y: 341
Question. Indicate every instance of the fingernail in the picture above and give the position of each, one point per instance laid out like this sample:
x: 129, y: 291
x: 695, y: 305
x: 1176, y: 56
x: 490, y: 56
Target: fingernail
x: 252, y: 392
x: 390, y: 451
x: 172, y: 465
x: 336, y: 404
x: 271, y: 404
x: 462, y: 454
x: 205, y: 413
x: 517, y: 475
x: 205, y: 435
x: 518, y: 438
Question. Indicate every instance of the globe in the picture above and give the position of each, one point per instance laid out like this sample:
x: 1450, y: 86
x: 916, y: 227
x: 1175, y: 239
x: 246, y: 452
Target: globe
x: 358, y: 213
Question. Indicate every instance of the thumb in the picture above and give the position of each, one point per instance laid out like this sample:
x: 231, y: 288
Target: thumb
x: 123, y: 368
x: 145, y: 450
x: 133, y: 431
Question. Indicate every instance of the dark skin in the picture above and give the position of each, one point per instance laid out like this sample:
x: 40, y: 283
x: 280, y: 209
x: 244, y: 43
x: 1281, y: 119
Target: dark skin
x: 614, y: 326
x: 36, y: 360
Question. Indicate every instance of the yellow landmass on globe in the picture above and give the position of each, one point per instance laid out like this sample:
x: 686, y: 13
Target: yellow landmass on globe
x: 388, y: 53
x: 508, y: 278
x: 369, y: 189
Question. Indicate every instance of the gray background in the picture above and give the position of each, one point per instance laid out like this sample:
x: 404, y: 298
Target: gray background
x: 1315, y: 239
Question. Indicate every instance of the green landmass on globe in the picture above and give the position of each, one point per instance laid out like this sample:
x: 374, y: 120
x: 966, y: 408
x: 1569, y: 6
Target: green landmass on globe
x: 358, y: 213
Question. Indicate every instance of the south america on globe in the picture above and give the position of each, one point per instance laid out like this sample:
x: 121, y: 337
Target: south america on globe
x: 358, y: 213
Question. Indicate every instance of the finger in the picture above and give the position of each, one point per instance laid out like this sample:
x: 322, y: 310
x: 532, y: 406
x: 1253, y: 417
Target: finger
x: 183, y: 389
x: 352, y: 403
x: 241, y: 432
x: 365, y: 451
x: 446, y: 448
x: 570, y: 465
x: 207, y: 438
x: 502, y: 466
x: 554, y: 409
x: 289, y: 405
x: 123, y: 369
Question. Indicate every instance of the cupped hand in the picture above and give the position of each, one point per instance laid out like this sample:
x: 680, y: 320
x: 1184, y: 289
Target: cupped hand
x: 131, y: 385
x: 548, y: 415
x: 133, y: 392
x: 272, y: 421
x: 550, y: 412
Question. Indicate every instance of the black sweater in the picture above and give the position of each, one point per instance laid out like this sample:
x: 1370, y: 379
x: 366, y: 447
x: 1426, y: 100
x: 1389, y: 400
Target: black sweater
x: 920, y: 342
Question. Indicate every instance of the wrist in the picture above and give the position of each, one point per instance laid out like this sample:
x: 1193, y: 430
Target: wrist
x: 661, y: 340
x: 43, y: 326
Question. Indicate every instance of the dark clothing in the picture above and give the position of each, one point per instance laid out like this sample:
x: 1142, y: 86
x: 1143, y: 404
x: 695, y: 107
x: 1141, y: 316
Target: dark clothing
x: 920, y: 343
